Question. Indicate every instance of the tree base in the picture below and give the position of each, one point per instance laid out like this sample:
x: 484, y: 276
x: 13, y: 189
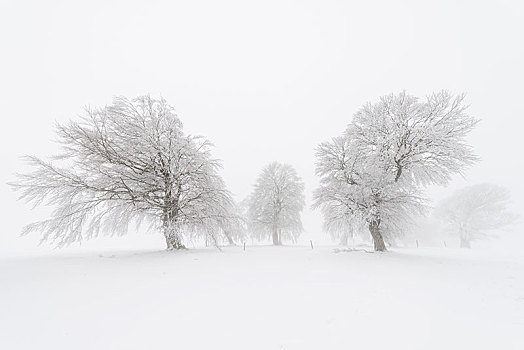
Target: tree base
x: 464, y: 243
x: 180, y: 247
x: 173, y: 241
x: 378, y: 240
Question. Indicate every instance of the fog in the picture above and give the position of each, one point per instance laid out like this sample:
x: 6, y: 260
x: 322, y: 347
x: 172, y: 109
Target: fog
x: 266, y: 81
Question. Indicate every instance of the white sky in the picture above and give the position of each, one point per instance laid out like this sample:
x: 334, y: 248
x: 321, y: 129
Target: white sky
x: 263, y: 80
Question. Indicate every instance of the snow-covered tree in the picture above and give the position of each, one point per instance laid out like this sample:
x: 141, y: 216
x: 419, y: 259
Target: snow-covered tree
x: 127, y: 162
x: 341, y: 223
x: 234, y: 226
x: 351, y: 186
x: 389, y: 152
x: 472, y: 212
x: 275, y: 205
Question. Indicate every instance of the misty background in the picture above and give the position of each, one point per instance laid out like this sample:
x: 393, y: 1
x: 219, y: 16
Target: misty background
x: 263, y: 81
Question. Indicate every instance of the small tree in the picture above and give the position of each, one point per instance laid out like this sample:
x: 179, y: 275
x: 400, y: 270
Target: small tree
x: 472, y: 212
x: 234, y: 226
x: 127, y: 162
x: 341, y: 222
x: 276, y: 203
x: 390, y: 150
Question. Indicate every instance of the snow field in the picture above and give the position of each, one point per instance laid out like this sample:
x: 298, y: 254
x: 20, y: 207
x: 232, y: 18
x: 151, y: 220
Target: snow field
x: 266, y: 297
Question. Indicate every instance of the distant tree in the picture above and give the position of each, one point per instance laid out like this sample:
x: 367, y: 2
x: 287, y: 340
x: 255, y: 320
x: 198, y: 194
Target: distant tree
x: 127, y: 162
x: 234, y: 226
x: 389, y: 152
x: 341, y: 223
x: 276, y: 203
x: 472, y: 212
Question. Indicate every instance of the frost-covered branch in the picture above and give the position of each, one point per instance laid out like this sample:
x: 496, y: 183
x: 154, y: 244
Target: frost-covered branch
x: 129, y: 161
x: 472, y: 212
x: 392, y: 149
x: 276, y: 203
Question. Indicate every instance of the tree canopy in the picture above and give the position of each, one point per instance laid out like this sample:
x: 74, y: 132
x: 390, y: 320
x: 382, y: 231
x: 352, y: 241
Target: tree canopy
x: 474, y: 211
x: 276, y: 203
x: 391, y: 149
x: 127, y: 162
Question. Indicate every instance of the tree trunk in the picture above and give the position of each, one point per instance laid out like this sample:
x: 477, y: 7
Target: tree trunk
x: 275, y: 237
x: 378, y: 240
x: 173, y: 239
x: 344, y: 239
x: 465, y: 243
x: 229, y: 239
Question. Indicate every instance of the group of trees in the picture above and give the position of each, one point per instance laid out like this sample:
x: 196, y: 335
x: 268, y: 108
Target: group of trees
x: 376, y: 170
x: 375, y: 173
x: 131, y: 162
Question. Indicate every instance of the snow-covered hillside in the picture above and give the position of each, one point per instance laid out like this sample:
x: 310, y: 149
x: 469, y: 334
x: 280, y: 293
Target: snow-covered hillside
x: 263, y: 298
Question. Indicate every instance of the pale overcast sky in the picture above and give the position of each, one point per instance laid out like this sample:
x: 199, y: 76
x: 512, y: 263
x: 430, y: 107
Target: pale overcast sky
x: 264, y: 80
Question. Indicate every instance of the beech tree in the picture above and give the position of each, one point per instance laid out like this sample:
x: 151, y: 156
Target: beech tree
x: 353, y: 189
x: 275, y: 205
x: 341, y: 222
x: 474, y: 211
x: 127, y: 162
x: 234, y: 226
x: 388, y: 153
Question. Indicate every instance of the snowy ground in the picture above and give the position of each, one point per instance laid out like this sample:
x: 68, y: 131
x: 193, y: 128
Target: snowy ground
x: 263, y: 298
